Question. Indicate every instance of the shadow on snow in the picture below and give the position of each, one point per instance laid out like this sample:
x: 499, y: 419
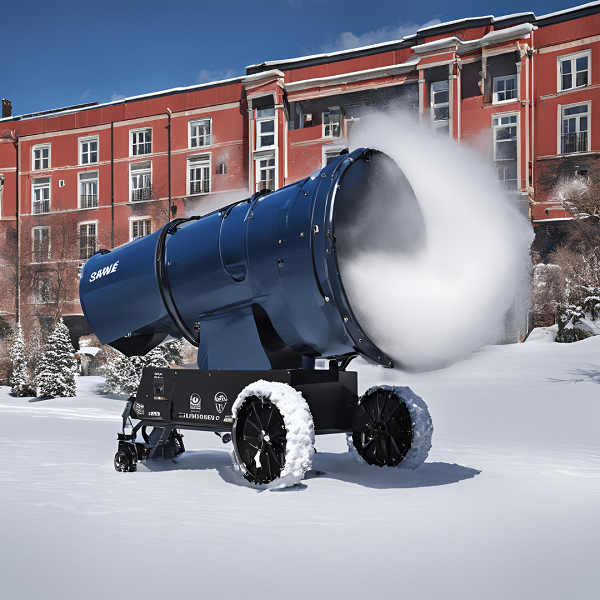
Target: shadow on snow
x: 326, y: 465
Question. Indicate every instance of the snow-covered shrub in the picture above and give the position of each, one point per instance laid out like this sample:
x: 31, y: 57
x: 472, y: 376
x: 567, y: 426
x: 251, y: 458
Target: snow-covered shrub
x: 573, y: 334
x: 58, y: 366
x: 123, y: 373
x: 19, y: 379
x: 173, y: 351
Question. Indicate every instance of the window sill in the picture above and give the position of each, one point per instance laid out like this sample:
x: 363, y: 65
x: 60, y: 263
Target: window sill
x: 504, y: 102
x: 570, y: 91
x: 561, y: 156
x: 199, y: 148
x: 199, y: 194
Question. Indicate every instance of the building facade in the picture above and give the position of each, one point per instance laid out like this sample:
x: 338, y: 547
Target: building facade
x: 524, y: 89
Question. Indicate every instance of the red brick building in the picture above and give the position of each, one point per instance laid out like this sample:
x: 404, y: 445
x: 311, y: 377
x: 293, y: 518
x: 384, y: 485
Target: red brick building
x: 522, y: 88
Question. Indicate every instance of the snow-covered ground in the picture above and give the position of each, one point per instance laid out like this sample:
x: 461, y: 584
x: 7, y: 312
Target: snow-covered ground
x: 507, y: 505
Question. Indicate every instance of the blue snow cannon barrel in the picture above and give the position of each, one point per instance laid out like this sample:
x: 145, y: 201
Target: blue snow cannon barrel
x: 259, y: 284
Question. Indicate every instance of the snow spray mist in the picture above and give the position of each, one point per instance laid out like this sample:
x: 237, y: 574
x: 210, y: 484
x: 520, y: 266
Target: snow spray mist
x: 449, y: 293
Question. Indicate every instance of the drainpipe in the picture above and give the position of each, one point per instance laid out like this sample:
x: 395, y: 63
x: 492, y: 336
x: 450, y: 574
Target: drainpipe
x: 169, y: 166
x: 112, y: 185
x: 18, y: 211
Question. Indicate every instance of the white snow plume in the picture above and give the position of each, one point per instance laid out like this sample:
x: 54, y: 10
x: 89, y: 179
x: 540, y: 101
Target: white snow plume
x: 448, y: 294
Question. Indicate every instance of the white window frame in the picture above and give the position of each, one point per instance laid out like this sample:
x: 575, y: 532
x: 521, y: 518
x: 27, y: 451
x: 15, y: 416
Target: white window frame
x: 258, y: 121
x: 79, y: 204
x: 257, y: 169
x: 34, y: 187
x: 33, y: 249
x: 141, y: 130
x: 205, y: 162
x: 335, y: 110
x: 573, y: 58
x: 504, y: 78
x: 440, y: 123
x: 518, y: 140
x: 88, y: 139
x: 131, y: 188
x: 194, y: 123
x: 41, y: 147
x: 561, y: 108
x: 133, y: 220
x: 330, y: 150
x: 79, y: 226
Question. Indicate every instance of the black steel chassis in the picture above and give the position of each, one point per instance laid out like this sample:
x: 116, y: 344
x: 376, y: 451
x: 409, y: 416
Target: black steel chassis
x: 169, y: 400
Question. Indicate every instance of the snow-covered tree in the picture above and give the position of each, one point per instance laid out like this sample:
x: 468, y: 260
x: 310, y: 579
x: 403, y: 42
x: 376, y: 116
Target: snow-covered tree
x: 58, y: 366
x: 172, y: 351
x: 16, y: 352
x: 123, y: 374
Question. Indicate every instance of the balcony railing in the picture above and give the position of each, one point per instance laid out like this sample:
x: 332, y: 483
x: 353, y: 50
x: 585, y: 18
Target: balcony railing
x: 88, y: 200
x: 141, y: 194
x: 199, y: 187
x: 41, y: 206
x: 574, y: 142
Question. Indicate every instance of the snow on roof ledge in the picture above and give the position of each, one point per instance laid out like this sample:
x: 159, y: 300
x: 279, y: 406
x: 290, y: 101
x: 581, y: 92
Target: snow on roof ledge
x: 493, y: 37
x: 354, y: 76
x: 328, y: 54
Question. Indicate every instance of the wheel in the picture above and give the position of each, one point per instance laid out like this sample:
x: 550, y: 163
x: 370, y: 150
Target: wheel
x: 176, y: 443
x: 124, y: 462
x: 273, y: 434
x: 392, y: 427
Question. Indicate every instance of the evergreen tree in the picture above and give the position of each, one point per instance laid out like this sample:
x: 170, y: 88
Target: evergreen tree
x: 172, y: 351
x: 123, y: 373
x: 58, y: 366
x: 19, y: 379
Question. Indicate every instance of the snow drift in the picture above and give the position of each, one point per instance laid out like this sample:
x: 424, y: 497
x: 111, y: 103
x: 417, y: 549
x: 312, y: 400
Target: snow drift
x: 443, y: 295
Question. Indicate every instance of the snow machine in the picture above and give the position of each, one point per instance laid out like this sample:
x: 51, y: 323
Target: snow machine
x: 257, y: 287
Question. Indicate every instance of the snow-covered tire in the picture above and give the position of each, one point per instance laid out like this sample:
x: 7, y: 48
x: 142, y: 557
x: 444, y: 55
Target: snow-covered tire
x: 299, y: 431
x: 421, y: 427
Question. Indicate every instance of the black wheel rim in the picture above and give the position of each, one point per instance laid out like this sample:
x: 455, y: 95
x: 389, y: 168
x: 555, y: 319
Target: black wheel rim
x: 382, y: 428
x: 121, y: 462
x: 259, y: 437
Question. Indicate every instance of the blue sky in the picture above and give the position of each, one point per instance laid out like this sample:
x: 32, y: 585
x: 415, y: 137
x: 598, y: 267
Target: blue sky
x: 66, y: 52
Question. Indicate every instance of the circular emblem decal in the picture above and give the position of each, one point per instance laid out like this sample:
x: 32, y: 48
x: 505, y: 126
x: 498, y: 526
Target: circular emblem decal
x: 195, y: 402
x: 220, y: 401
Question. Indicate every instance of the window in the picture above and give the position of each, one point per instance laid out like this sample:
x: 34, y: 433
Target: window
x: 41, y: 157
x: 140, y: 228
x: 88, y: 240
x: 41, y: 290
x: 40, y: 243
x: 200, y: 133
x: 265, y: 128
x: 199, y: 174
x: 88, y: 150
x: 330, y: 153
x: 331, y: 123
x: 141, y: 181
x: 505, y: 149
x: 88, y: 189
x: 265, y: 173
x: 574, y: 71
x: 574, y: 129
x: 40, y: 193
x: 141, y: 141
x: 440, y: 106
x: 505, y: 89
